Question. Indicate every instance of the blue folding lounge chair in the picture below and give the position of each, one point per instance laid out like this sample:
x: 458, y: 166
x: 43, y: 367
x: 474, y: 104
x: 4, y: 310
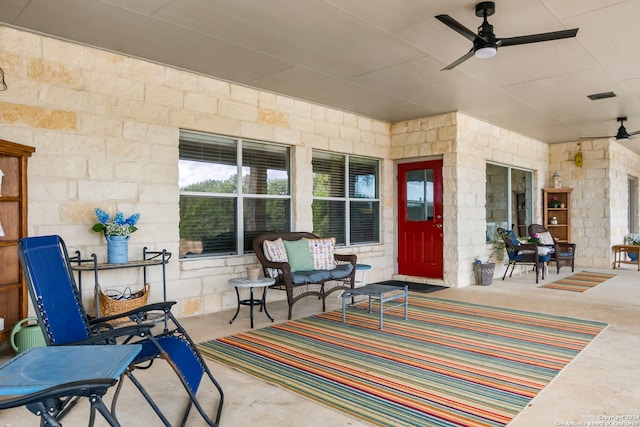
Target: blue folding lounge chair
x: 45, y: 263
x: 42, y: 377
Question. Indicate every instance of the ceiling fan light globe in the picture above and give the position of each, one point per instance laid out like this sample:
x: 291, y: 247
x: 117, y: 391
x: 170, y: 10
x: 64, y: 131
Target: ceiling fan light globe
x: 485, y: 52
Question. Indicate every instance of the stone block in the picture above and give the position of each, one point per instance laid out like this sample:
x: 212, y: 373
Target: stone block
x: 238, y: 110
x: 38, y: 117
x: 201, y: 103
x: 273, y: 117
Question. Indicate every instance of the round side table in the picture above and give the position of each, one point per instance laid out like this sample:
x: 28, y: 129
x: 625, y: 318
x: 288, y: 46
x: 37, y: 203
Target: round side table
x: 261, y: 282
x: 363, y: 268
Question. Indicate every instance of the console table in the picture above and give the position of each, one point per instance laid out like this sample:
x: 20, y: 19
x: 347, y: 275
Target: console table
x: 149, y: 258
x: 620, y: 252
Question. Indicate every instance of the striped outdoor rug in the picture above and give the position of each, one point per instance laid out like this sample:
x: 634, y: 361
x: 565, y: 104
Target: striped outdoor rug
x: 579, y: 282
x: 451, y: 364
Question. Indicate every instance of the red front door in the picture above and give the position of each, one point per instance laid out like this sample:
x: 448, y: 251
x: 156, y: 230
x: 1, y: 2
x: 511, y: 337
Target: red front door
x: 420, y: 219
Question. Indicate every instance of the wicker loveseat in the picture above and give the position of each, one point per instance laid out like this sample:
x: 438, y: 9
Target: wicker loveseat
x: 337, y: 273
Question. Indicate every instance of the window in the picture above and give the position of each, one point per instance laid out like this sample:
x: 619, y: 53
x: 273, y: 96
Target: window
x: 632, y: 220
x: 230, y: 191
x: 346, y: 202
x: 509, y: 201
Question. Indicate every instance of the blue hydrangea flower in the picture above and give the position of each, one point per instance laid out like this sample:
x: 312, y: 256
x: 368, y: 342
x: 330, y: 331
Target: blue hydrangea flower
x: 133, y: 219
x: 103, y: 217
x: 119, y: 226
x: 119, y: 218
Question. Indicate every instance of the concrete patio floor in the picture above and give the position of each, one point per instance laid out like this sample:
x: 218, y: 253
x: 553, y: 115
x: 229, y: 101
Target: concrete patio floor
x: 601, y: 384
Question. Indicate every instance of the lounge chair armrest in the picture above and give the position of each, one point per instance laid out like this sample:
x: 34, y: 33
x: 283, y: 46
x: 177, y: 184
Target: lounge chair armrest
x: 82, y: 387
x: 136, y: 312
x: 108, y: 336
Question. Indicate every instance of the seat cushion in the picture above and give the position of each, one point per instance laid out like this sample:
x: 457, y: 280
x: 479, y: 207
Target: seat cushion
x: 544, y: 255
x: 341, y: 271
x: 318, y: 276
x: 310, y: 276
x: 543, y: 250
x: 546, y: 238
x: 513, y: 237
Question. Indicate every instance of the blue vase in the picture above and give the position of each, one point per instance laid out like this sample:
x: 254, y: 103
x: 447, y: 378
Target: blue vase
x: 117, y: 249
x: 633, y: 256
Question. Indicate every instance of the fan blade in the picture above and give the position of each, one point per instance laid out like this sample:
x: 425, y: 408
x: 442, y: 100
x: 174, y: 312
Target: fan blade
x: 542, y: 37
x: 456, y: 26
x: 597, y: 137
x: 634, y: 133
x: 459, y: 61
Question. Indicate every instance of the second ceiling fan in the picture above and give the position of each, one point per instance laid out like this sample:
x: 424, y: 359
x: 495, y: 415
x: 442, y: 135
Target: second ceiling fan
x: 485, y: 43
x: 621, y: 135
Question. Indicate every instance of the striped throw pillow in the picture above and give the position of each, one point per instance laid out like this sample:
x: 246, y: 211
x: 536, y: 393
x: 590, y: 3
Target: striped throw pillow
x: 275, y: 251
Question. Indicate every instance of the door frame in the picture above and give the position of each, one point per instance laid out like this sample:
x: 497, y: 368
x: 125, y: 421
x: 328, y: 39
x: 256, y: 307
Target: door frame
x: 432, y: 280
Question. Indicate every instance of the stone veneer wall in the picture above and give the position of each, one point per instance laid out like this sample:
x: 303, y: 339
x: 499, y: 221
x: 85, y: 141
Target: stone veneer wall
x: 466, y: 145
x: 106, y: 130
x: 599, y: 200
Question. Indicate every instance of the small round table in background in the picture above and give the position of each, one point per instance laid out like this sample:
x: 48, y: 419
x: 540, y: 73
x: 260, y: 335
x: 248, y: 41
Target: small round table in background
x: 363, y: 268
x: 261, y: 282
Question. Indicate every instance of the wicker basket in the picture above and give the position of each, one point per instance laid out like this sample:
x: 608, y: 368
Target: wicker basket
x: 484, y: 273
x: 110, y: 306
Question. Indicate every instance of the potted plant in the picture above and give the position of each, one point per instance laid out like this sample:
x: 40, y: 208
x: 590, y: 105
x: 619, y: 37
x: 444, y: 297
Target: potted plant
x: 534, y: 239
x: 554, y: 202
x: 497, y: 252
x: 116, y: 232
x: 632, y: 239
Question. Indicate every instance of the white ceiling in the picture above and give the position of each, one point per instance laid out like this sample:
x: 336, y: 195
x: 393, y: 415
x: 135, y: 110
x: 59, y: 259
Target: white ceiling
x: 382, y: 58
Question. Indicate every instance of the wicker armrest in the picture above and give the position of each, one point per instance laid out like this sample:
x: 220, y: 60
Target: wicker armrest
x: 528, y: 247
x: 351, y: 258
x: 565, y: 247
x: 285, y: 267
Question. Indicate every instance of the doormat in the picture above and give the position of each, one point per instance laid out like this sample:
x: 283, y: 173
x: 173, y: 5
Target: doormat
x: 416, y: 287
x: 579, y: 282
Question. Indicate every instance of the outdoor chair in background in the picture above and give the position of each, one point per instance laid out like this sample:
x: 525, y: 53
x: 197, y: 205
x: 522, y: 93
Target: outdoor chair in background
x: 55, y: 297
x: 562, y: 253
x: 523, y: 253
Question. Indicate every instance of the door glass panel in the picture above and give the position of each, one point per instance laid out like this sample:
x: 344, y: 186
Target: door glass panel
x: 419, y: 195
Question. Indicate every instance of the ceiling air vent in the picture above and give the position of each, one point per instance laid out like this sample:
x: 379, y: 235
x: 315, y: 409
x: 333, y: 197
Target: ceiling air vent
x: 602, y: 95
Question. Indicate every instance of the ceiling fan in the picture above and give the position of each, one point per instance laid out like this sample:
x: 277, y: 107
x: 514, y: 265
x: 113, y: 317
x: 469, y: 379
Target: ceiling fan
x: 621, y: 135
x: 485, y: 43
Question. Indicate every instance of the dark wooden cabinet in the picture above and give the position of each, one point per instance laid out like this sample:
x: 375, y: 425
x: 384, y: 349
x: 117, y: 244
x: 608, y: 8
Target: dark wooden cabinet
x: 13, y: 226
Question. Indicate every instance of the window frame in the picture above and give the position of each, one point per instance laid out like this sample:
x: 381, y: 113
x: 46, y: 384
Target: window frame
x: 239, y: 196
x: 348, y: 201
x: 491, y: 226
